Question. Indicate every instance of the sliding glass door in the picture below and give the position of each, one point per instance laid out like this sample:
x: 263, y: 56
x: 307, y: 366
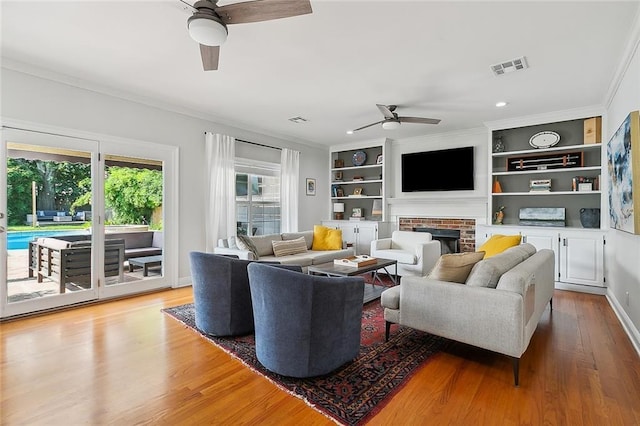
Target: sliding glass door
x: 82, y: 220
x: 49, y: 257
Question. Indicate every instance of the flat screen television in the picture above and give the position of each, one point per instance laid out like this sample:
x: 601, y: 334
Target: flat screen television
x: 441, y: 170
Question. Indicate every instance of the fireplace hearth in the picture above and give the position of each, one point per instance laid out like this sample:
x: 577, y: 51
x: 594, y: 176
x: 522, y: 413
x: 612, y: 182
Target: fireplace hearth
x: 456, y: 235
x: 449, y: 238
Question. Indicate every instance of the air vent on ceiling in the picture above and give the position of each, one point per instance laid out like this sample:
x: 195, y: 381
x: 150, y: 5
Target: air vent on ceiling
x: 510, y: 66
x: 298, y: 119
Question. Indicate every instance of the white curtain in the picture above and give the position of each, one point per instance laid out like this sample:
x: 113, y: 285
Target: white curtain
x: 289, y: 178
x: 221, y: 188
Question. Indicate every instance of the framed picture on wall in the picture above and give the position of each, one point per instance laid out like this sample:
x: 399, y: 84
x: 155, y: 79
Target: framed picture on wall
x: 311, y: 186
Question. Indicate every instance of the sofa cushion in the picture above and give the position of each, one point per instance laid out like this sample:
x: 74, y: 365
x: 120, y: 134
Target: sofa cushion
x: 308, y: 237
x: 402, y: 256
x: 300, y: 259
x: 499, y: 243
x: 289, y: 247
x: 455, y: 267
x: 487, y: 272
x: 264, y: 244
x: 325, y: 256
x: 325, y: 238
x: 245, y: 243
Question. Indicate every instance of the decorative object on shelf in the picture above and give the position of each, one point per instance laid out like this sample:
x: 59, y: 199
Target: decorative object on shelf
x: 311, y: 186
x: 546, y: 161
x: 379, y: 159
x: 376, y: 210
x: 590, y: 217
x: 624, y: 145
x: 593, y: 130
x: 584, y: 183
x: 338, y: 176
x: 338, y: 211
x: 542, y: 216
x: 498, y: 216
x: 338, y: 163
x: 540, y: 185
x: 340, y: 192
x: 356, y: 212
x: 357, y: 190
x: 358, y: 178
x: 359, y: 158
x: 544, y: 139
x: 497, y: 188
x: 498, y: 146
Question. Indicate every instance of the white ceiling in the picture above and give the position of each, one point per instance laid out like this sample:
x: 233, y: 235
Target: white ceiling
x: 331, y: 67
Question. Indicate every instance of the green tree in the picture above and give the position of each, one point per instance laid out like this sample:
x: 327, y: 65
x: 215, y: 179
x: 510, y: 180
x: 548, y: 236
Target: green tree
x: 132, y: 194
x: 56, y: 186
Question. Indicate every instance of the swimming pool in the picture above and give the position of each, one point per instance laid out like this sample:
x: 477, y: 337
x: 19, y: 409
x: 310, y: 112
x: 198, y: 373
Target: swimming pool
x: 19, y: 240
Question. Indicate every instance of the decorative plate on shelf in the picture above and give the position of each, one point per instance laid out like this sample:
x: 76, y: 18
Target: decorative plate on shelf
x: 359, y: 157
x: 544, y: 139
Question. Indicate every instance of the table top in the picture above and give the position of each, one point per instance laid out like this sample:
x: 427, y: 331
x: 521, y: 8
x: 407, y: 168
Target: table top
x: 348, y: 271
x: 146, y: 259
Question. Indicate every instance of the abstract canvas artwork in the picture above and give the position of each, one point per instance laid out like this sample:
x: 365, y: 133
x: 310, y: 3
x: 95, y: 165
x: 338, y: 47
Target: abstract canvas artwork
x: 623, y: 164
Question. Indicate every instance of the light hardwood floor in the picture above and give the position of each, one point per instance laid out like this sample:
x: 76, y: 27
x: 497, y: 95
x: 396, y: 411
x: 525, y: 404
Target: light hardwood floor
x: 125, y: 363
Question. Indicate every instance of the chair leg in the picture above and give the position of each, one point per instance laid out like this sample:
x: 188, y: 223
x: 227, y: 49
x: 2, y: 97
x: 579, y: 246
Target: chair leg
x: 551, y: 304
x: 516, y: 371
x: 387, y: 328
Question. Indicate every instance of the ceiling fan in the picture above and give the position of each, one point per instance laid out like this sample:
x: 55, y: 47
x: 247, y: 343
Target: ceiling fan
x: 208, y: 25
x: 392, y: 120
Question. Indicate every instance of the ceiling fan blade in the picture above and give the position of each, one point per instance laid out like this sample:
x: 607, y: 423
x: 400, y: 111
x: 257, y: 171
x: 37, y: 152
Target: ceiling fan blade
x: 386, y: 111
x: 210, y: 55
x: 262, y: 10
x: 368, y: 125
x: 418, y: 120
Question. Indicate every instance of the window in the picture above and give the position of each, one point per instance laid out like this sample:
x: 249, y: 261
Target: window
x: 257, y: 197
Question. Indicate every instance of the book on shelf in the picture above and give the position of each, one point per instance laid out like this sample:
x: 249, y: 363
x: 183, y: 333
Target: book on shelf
x: 356, y: 261
x: 540, y: 185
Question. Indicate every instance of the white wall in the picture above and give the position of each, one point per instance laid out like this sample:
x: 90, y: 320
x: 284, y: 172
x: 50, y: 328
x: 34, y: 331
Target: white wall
x: 623, y: 249
x: 454, y: 204
x: 43, y: 101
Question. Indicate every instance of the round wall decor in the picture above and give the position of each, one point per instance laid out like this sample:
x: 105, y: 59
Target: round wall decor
x: 359, y: 157
x: 544, y: 139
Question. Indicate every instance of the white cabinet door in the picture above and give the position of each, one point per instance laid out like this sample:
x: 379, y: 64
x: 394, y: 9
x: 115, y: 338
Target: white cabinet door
x: 544, y: 239
x: 582, y: 258
x: 365, y: 234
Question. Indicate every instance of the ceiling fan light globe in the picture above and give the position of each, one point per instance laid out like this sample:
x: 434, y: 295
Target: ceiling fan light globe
x: 390, y: 125
x: 207, y: 31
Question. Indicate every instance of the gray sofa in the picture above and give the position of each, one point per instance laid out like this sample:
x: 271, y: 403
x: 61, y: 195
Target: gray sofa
x: 498, y: 308
x: 265, y: 250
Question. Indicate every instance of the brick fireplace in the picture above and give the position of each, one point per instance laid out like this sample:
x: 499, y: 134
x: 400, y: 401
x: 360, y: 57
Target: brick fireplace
x: 467, y: 228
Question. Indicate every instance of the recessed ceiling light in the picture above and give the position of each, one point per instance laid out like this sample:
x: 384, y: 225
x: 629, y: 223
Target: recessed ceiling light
x: 298, y: 119
x: 501, y: 104
x: 349, y: 132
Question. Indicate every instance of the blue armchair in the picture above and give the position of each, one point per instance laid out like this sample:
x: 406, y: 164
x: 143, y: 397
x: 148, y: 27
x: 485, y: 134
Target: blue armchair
x: 221, y: 294
x: 305, y: 325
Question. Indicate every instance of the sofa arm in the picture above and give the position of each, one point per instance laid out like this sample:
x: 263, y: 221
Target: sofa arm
x: 242, y: 254
x: 381, y: 244
x: 480, y: 316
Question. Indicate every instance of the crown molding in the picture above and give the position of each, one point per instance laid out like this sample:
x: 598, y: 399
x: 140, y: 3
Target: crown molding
x: 547, y: 117
x: 39, y: 72
x: 630, y: 50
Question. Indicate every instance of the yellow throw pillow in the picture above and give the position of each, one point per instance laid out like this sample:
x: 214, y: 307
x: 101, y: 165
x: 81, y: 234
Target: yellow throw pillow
x: 325, y: 238
x: 455, y: 267
x: 499, y: 243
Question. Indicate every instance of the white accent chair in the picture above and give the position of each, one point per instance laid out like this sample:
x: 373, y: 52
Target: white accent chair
x: 416, y: 252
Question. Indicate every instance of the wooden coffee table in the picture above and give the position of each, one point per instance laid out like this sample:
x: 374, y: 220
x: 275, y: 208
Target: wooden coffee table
x: 333, y: 270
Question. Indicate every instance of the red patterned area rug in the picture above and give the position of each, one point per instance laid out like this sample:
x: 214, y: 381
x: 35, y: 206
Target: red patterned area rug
x: 355, y: 392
